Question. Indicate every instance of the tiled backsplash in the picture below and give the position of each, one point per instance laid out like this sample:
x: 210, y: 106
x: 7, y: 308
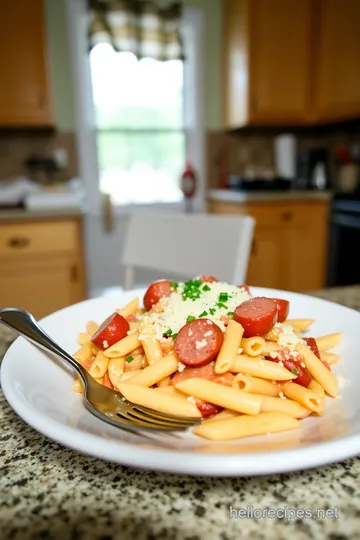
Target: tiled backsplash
x: 231, y: 154
x: 16, y: 147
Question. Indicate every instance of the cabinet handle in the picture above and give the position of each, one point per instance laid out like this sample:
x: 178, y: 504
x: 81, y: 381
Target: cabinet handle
x: 18, y: 242
x: 286, y: 216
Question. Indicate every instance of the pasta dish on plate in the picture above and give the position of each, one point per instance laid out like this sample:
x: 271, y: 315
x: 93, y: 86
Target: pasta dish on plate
x: 210, y: 350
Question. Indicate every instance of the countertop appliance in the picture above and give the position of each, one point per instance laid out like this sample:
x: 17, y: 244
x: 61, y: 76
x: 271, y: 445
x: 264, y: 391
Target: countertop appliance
x: 344, y: 262
x: 312, y: 169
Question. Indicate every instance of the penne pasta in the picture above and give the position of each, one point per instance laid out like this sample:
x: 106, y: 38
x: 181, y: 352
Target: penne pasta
x: 329, y: 341
x: 134, y: 325
x: 271, y: 347
x: 91, y: 327
x: 229, y: 348
x: 316, y: 387
x: 99, y: 366
x: 133, y: 363
x: 286, y: 406
x: 164, y: 382
x: 264, y: 369
x: 151, y: 346
x: 130, y: 308
x: 116, y: 368
x: 83, y: 338
x: 225, y: 413
x: 253, y: 346
x: 329, y: 357
x: 317, y: 369
x: 159, y: 401
x: 245, y: 426
x: 169, y: 390
x: 84, y: 353
x: 255, y: 385
x: 77, y: 386
x: 224, y: 396
x: 156, y: 372
x: 301, y: 324
x: 129, y: 375
x: 307, y: 398
x: 124, y: 346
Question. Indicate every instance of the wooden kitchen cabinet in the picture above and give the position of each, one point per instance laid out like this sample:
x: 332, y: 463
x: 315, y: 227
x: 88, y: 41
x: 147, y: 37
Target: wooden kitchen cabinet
x: 267, y: 59
x: 338, y: 74
x: 24, y: 90
x: 289, y: 249
x: 41, y: 265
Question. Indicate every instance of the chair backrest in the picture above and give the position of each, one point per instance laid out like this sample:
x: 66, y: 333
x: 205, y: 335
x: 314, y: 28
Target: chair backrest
x: 188, y: 245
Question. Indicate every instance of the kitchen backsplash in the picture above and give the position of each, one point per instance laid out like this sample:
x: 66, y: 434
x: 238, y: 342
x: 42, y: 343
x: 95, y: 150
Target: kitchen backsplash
x: 232, y: 154
x: 16, y: 147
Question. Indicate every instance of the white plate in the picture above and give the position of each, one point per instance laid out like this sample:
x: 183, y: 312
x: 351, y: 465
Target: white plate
x: 39, y: 390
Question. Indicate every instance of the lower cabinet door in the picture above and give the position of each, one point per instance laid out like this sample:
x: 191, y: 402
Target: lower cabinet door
x: 40, y: 288
x: 265, y: 264
x: 304, y: 250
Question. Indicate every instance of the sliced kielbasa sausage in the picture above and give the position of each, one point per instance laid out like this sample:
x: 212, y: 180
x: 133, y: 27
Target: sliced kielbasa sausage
x: 311, y: 343
x: 198, y: 342
x: 205, y: 372
x: 282, y: 309
x: 257, y: 315
x: 245, y: 288
x: 294, y: 365
x: 207, y: 409
x: 110, y: 331
x: 157, y: 290
x: 208, y: 279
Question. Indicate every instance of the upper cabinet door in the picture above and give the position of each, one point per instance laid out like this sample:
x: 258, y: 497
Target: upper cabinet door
x: 24, y: 91
x: 280, y: 57
x: 338, y: 83
x: 267, y: 62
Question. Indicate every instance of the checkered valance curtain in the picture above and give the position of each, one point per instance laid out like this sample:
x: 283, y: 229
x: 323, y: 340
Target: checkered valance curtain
x: 138, y: 26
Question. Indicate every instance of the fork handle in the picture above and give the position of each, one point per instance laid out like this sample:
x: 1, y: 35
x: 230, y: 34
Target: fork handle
x: 24, y: 323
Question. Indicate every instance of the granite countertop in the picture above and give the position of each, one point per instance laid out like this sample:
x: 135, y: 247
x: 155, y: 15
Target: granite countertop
x: 7, y: 216
x: 232, y: 196
x: 51, y: 492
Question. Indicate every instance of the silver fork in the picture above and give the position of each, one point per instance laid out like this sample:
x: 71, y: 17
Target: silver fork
x: 108, y: 405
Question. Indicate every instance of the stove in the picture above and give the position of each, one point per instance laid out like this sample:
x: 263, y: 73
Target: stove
x: 344, y: 261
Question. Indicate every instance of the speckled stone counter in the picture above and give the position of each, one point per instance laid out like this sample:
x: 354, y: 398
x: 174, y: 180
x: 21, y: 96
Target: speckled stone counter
x: 48, y: 491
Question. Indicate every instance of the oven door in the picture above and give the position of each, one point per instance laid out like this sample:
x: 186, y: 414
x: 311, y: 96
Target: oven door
x: 344, y: 257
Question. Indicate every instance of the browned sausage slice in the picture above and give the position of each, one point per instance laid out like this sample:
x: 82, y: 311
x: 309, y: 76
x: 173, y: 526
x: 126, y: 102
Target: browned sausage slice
x: 198, y: 342
x: 157, y: 290
x: 257, y: 315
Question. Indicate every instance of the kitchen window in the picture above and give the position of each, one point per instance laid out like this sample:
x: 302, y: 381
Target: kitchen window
x: 139, y: 124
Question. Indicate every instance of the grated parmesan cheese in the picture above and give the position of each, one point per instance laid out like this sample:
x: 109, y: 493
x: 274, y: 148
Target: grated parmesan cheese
x: 191, y: 398
x: 105, y: 344
x: 172, y: 311
x: 181, y: 367
x: 287, y: 337
x: 200, y: 344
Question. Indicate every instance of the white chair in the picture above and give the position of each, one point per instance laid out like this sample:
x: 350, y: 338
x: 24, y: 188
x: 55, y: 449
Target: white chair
x: 188, y: 245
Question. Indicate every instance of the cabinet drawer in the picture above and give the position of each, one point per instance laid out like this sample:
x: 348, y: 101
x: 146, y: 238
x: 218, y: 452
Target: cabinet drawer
x: 289, y: 214
x: 273, y: 214
x: 36, y: 238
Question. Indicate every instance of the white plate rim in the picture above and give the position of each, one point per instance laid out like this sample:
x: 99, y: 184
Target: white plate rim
x: 180, y: 462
